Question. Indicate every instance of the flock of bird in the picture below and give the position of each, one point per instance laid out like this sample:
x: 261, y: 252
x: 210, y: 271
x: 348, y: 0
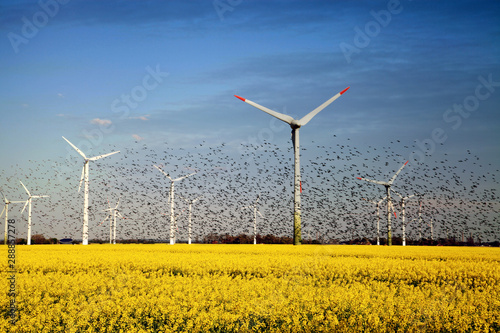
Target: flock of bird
x: 457, y: 196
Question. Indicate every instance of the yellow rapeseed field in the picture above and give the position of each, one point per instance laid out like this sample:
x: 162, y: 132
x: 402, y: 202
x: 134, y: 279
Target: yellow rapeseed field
x: 252, y: 288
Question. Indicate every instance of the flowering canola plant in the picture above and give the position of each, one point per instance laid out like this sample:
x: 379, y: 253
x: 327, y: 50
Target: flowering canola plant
x: 253, y: 288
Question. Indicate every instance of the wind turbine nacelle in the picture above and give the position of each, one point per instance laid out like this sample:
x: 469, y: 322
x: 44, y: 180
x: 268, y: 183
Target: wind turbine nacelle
x: 295, y: 124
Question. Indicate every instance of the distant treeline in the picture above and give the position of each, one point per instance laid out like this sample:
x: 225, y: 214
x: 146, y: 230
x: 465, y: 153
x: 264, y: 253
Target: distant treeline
x: 214, y: 238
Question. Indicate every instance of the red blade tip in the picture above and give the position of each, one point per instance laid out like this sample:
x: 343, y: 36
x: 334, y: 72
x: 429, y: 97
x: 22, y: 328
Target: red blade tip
x: 343, y: 91
x: 239, y: 97
x: 359, y: 178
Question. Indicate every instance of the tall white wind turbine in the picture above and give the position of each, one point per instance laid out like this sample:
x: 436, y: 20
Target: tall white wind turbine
x: 113, y: 211
x: 387, y: 186
x: 255, y: 212
x: 28, y: 202
x: 403, y: 213
x: 295, y: 125
x: 85, y: 178
x: 190, y: 203
x: 6, y: 210
x: 377, y: 204
x: 172, y: 217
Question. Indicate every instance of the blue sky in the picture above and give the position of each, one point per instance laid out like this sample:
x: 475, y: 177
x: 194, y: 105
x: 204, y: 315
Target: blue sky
x: 409, y: 67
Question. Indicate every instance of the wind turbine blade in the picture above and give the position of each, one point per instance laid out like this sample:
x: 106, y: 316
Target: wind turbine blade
x: 25, y: 188
x: 118, y: 213
x: 397, y: 173
x: 180, y: 178
x: 81, y: 178
x: 25, y: 206
x: 381, y: 200
x: 283, y: 117
x: 101, y: 156
x: 78, y: 150
x: 399, y: 195
x: 3, y: 210
x: 163, y: 172
x: 40, y: 196
x: 104, y: 220
x: 393, y: 210
x: 314, y: 112
x: 118, y: 202
x: 365, y: 199
x: 197, y: 199
x: 372, y: 181
x: 180, y: 214
x: 411, y: 196
x: 260, y: 214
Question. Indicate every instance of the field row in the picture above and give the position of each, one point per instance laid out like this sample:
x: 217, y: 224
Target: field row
x: 247, y: 288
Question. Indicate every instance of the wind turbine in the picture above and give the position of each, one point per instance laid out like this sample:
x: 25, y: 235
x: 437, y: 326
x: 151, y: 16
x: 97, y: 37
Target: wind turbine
x: 419, y: 216
x: 28, y: 202
x: 295, y: 125
x: 85, y: 178
x: 172, y: 217
x: 387, y: 186
x: 377, y: 203
x: 255, y: 212
x: 432, y: 228
x: 112, y: 212
x: 6, y: 210
x: 403, y: 213
x: 190, y: 203
x: 176, y: 228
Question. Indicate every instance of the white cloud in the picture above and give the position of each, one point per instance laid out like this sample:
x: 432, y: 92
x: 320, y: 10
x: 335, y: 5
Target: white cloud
x: 137, y: 137
x: 145, y: 117
x: 98, y: 121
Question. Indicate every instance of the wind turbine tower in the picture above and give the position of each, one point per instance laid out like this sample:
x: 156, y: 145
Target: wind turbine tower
x: 403, y: 213
x: 172, y: 216
x: 112, y: 213
x: 377, y: 204
x: 295, y: 125
x: 255, y: 212
x: 28, y: 202
x: 387, y: 186
x: 190, y: 203
x: 85, y: 179
x: 420, y: 217
x: 6, y: 210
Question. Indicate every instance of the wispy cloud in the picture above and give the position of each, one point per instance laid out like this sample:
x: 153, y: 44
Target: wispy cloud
x: 98, y: 121
x: 137, y: 137
x: 144, y: 117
